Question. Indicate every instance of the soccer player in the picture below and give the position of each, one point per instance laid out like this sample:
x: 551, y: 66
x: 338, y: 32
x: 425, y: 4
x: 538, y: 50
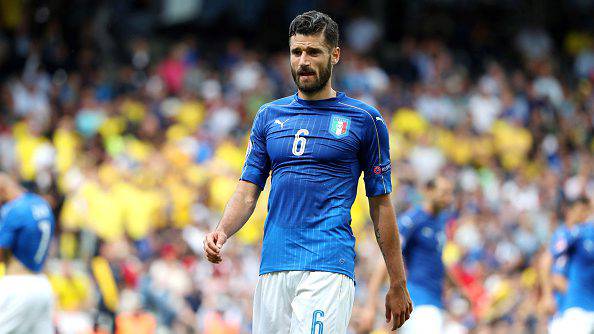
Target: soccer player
x: 26, y: 229
x: 315, y: 144
x: 422, y: 233
x: 555, y: 264
x: 578, y: 246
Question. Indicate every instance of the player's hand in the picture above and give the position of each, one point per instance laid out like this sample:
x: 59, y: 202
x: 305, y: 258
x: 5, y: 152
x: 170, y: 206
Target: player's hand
x: 398, y: 305
x: 213, y: 242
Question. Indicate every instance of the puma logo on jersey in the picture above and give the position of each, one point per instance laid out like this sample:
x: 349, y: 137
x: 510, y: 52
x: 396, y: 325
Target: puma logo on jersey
x: 380, y: 119
x: 276, y: 121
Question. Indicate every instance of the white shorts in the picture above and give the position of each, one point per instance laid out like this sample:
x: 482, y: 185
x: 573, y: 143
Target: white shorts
x: 303, y: 302
x: 26, y: 304
x: 577, y: 321
x: 556, y: 325
x: 426, y: 319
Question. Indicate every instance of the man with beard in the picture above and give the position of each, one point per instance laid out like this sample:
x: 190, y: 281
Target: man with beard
x: 316, y: 143
x: 26, y: 228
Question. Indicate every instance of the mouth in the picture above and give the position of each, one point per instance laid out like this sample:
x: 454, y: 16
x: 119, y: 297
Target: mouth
x: 306, y: 74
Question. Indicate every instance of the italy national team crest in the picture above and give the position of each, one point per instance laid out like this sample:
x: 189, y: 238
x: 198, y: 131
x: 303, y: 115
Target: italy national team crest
x: 339, y: 126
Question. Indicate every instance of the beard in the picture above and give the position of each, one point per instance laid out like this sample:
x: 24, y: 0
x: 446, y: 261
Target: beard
x: 319, y: 81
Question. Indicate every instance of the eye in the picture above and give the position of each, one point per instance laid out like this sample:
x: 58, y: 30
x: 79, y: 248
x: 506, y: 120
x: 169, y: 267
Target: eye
x: 296, y: 52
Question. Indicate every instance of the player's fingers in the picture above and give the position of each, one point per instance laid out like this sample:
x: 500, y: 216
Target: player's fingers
x: 221, y: 238
x: 395, y: 320
x: 402, y: 319
x: 210, y: 245
x: 388, y: 313
x: 210, y: 250
x: 212, y: 241
x: 211, y: 256
x: 398, y: 320
x: 214, y: 258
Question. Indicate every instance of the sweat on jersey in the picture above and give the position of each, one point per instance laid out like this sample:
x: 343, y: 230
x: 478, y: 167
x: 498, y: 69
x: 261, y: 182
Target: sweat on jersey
x: 315, y: 151
x: 578, y: 245
x: 26, y: 228
x: 422, y: 236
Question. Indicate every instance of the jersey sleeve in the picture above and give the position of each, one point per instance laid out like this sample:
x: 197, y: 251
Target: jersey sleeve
x: 8, y: 228
x: 406, y: 228
x: 257, y: 162
x: 375, y: 157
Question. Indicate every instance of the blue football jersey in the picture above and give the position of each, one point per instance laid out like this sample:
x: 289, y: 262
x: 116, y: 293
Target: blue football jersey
x: 560, y: 264
x: 315, y: 152
x: 579, y: 247
x: 26, y: 228
x: 422, y: 236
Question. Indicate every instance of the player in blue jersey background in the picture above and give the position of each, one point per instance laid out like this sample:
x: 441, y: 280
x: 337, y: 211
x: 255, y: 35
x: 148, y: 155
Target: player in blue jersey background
x: 555, y: 264
x: 422, y: 233
x: 314, y: 145
x: 578, y: 246
x: 26, y: 229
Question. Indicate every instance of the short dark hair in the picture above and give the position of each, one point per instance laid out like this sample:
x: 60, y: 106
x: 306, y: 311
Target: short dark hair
x: 314, y: 22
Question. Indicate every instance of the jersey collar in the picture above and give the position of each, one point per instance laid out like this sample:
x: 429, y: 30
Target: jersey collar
x: 320, y: 103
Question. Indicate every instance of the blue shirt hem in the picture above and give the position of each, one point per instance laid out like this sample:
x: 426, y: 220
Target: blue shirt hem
x: 325, y: 269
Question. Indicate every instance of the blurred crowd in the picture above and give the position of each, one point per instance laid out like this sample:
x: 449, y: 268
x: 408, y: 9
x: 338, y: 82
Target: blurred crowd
x: 139, y: 156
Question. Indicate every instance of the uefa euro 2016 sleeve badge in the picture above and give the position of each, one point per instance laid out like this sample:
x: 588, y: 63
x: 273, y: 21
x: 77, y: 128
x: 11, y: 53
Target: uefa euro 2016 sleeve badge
x: 339, y: 126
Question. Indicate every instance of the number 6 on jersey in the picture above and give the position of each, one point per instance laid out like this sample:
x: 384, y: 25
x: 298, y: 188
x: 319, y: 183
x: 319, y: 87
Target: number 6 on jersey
x: 299, y: 142
x: 317, y: 322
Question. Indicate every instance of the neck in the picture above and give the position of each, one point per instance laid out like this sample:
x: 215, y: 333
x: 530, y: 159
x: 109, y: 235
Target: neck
x: 325, y: 93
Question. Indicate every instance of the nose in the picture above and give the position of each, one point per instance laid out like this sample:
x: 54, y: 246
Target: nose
x: 303, y: 59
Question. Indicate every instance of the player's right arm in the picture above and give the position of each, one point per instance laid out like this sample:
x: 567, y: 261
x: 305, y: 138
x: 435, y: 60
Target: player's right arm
x: 243, y: 201
x: 237, y: 212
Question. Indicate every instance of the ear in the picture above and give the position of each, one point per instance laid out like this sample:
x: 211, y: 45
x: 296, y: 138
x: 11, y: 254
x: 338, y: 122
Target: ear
x: 335, y: 55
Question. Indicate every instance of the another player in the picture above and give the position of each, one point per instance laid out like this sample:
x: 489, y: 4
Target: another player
x: 578, y: 246
x: 422, y: 233
x: 316, y: 143
x: 26, y: 229
x: 555, y: 265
